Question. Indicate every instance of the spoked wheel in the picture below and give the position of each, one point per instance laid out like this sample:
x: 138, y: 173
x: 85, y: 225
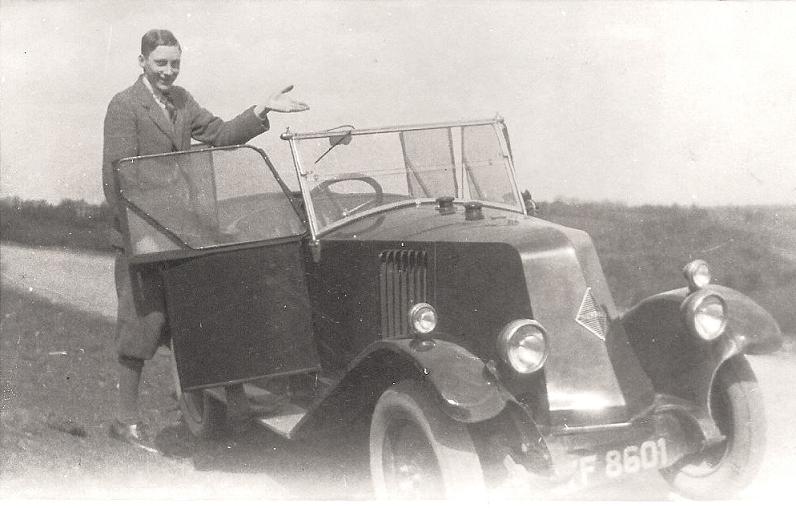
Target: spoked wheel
x: 722, y: 470
x: 418, y: 452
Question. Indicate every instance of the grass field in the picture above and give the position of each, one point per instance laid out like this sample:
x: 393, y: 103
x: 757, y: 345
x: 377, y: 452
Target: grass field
x: 58, y: 392
x: 57, y: 367
x: 72, y: 224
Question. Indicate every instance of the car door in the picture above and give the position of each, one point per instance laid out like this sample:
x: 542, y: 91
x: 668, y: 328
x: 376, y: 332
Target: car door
x: 223, y: 235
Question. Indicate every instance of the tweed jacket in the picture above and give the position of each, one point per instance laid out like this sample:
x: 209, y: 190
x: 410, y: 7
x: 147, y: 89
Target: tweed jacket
x: 135, y: 124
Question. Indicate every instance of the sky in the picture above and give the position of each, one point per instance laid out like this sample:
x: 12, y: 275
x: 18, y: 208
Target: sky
x: 641, y: 103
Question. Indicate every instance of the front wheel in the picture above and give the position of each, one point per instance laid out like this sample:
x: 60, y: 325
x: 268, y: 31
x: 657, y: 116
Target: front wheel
x: 724, y: 469
x: 419, y: 452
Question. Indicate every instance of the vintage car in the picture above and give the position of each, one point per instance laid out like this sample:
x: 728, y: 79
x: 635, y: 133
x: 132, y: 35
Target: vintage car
x: 408, y: 284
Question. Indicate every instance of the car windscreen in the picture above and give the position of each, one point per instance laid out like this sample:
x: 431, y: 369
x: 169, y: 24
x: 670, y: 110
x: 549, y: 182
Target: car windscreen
x: 202, y: 199
x: 489, y: 177
x: 347, y: 173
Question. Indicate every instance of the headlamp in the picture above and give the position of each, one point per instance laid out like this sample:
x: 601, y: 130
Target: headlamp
x: 697, y: 273
x: 423, y: 318
x: 706, y: 315
x: 523, y: 345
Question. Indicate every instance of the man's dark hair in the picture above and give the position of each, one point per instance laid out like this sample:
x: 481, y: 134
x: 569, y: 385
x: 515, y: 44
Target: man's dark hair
x: 157, y: 37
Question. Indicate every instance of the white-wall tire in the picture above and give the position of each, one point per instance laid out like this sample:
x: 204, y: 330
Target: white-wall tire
x: 419, y: 452
x: 723, y: 470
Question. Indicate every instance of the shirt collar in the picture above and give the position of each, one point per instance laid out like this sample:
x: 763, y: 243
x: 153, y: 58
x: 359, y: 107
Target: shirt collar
x: 158, y: 97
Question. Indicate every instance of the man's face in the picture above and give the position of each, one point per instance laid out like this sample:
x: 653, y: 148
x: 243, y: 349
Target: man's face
x: 161, y: 66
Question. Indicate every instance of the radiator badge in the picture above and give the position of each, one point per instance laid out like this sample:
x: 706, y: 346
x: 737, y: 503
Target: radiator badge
x: 591, y: 316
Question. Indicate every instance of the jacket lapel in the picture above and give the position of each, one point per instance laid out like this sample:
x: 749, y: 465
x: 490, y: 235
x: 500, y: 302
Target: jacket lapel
x: 155, y: 112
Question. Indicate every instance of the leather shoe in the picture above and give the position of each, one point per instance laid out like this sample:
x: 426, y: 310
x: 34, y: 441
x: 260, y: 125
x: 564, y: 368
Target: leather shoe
x: 132, y: 433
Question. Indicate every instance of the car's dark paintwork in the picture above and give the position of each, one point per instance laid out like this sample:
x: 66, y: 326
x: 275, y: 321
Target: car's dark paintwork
x: 467, y: 390
x: 335, y: 303
x: 684, y: 366
x: 228, y: 326
x: 750, y: 325
x: 531, y: 268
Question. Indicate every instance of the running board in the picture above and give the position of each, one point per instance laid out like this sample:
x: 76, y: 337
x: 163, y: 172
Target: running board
x: 269, y: 410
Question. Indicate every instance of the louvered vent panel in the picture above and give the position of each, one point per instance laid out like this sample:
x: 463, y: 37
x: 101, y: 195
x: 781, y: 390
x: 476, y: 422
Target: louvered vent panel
x: 402, y: 284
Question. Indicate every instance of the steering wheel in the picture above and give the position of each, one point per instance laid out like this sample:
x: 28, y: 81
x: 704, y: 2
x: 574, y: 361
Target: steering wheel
x: 335, y: 209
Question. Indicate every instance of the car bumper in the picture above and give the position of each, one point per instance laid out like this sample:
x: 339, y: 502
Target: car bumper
x: 582, y: 457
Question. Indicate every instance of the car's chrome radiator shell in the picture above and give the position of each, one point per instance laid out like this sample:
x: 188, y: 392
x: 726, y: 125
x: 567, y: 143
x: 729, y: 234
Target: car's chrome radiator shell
x: 402, y: 283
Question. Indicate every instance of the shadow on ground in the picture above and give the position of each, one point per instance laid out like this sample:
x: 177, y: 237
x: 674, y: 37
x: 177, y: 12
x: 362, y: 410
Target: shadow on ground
x: 333, y: 466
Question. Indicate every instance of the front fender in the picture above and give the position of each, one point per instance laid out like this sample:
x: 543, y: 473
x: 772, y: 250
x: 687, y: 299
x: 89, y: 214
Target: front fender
x: 754, y: 330
x: 682, y: 365
x: 467, y: 389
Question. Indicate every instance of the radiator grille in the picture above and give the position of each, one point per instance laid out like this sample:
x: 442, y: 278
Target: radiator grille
x: 403, y: 283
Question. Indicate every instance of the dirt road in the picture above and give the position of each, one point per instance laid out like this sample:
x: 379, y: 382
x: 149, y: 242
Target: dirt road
x: 82, y: 280
x: 258, y: 465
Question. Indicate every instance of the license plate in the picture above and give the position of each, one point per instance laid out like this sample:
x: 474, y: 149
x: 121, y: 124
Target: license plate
x: 617, y: 462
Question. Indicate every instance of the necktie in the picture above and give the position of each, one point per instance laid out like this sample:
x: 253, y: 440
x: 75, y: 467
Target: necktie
x: 170, y: 108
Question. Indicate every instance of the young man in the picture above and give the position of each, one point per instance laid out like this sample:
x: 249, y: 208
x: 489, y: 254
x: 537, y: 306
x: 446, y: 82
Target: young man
x: 154, y: 116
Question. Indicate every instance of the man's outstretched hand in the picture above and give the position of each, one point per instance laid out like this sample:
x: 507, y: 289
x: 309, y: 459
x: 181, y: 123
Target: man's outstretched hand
x: 282, y: 103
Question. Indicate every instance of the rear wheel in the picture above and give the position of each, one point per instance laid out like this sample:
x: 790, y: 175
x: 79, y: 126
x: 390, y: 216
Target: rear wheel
x: 722, y: 470
x: 204, y: 416
x: 418, y: 452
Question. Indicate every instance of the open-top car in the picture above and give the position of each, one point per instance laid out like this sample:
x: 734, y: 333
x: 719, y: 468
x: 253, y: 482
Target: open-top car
x: 408, y: 284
